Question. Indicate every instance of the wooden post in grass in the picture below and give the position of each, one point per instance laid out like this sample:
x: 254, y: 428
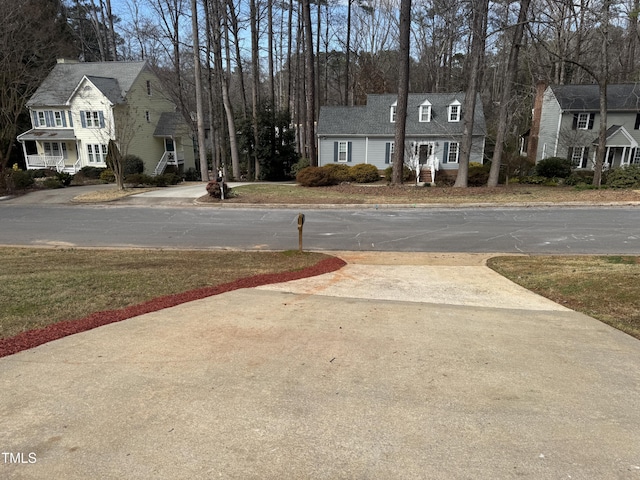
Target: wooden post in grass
x: 300, y: 224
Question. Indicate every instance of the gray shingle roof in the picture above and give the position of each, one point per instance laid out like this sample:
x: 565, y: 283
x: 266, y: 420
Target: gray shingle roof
x: 373, y: 119
x: 170, y: 124
x: 580, y: 98
x: 114, y: 79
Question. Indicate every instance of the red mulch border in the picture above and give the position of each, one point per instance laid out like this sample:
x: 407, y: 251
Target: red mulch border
x: 33, y: 338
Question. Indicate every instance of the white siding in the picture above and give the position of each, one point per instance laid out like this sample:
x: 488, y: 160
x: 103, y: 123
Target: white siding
x: 549, y: 125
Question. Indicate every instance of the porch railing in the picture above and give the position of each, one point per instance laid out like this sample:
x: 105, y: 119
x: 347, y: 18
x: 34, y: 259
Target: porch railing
x: 36, y: 162
x: 169, y: 158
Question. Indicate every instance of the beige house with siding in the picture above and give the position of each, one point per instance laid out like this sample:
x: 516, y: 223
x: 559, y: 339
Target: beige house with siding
x: 81, y: 106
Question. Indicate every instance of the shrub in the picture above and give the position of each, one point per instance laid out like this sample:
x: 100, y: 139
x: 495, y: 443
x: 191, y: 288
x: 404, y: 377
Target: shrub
x: 298, y: 166
x: 340, y: 172
x: 214, y: 189
x: 107, y: 176
x: 138, y: 179
x: 161, y: 180
x: 553, y: 167
x: 52, y: 182
x: 533, y: 180
x: 192, y: 175
x: 624, y: 177
x: 20, y: 179
x: 365, y: 173
x: 132, y: 164
x: 92, y: 173
x: 478, y: 174
x: 315, y: 177
x: 40, y: 173
x: 407, y: 174
x: 64, y: 178
x: 579, y: 178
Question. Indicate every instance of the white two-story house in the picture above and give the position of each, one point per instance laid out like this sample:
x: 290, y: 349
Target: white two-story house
x: 81, y: 106
x: 365, y: 134
x: 566, y: 119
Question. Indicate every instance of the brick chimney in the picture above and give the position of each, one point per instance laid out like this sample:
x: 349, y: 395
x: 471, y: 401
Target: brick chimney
x: 534, y: 133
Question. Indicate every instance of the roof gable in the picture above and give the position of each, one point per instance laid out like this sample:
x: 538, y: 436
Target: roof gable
x: 113, y: 79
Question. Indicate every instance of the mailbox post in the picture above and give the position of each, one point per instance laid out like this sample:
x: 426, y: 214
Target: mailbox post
x: 300, y: 224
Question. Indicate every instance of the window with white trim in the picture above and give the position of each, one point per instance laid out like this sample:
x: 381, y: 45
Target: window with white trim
x: 343, y: 151
x: 393, y: 112
x: 97, y: 153
x: 636, y: 156
x: 579, y: 157
x: 57, y: 117
x: 583, y: 121
x: 42, y: 119
x: 454, y: 152
x: 424, y: 114
x: 454, y: 112
x: 92, y: 119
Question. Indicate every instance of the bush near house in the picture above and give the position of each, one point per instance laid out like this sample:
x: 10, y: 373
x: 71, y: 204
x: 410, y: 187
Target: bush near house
x: 554, y: 167
x: 299, y: 165
x: 579, y: 177
x: 478, y: 174
x: 407, y: 174
x: 624, y: 177
x: 340, y: 172
x: 315, y: 177
x: 107, y: 176
x: 132, y: 164
x: 365, y: 173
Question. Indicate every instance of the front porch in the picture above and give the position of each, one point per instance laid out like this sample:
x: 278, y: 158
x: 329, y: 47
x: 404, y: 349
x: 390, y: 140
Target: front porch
x: 54, y: 149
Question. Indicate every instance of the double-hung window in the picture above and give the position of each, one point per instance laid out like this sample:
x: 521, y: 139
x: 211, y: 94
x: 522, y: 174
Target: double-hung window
x: 583, y: 121
x: 425, y: 113
x: 343, y: 151
x: 91, y: 119
x: 97, y: 153
x: 454, y: 112
x: 393, y: 112
x: 453, y: 153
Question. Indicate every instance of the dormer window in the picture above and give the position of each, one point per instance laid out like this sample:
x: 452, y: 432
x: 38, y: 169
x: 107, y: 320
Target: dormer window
x: 424, y: 113
x: 454, y: 112
x: 393, y: 112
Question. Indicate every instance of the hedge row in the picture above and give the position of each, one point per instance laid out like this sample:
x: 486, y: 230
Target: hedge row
x: 336, y: 173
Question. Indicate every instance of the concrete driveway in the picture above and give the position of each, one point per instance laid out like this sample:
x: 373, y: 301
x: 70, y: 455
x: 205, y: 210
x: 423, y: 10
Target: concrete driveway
x: 398, y: 366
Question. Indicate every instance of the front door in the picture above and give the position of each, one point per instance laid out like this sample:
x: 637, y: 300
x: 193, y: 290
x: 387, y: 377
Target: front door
x: 169, y: 146
x: 424, y: 151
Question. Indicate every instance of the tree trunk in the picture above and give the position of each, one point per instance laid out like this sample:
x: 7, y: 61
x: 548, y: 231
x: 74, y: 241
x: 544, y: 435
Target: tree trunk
x: 202, y: 149
x: 255, y: 67
x: 347, y: 55
x: 512, y: 70
x: 403, y: 91
x: 603, y: 82
x: 310, y: 86
x: 479, y: 29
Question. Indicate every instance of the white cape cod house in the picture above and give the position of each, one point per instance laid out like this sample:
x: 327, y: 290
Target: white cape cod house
x: 365, y: 134
x: 566, y: 120
x: 81, y: 106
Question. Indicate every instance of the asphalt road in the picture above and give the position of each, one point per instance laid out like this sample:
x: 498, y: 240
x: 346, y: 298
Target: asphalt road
x: 563, y: 230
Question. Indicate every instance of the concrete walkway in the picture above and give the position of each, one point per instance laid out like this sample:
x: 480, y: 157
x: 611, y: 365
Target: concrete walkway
x: 399, y: 366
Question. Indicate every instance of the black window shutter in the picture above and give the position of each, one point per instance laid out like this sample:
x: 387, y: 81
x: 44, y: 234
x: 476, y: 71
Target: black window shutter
x: 349, y: 151
x: 387, y: 152
x: 575, y: 121
x: 592, y: 116
x: 70, y: 120
x: 445, y: 155
x: 585, y: 157
x: 335, y: 151
x: 83, y: 119
x: 637, y: 125
x: 570, y: 154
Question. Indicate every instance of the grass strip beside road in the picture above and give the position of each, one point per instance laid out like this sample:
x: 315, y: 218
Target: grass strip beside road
x: 40, y: 287
x: 603, y: 287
